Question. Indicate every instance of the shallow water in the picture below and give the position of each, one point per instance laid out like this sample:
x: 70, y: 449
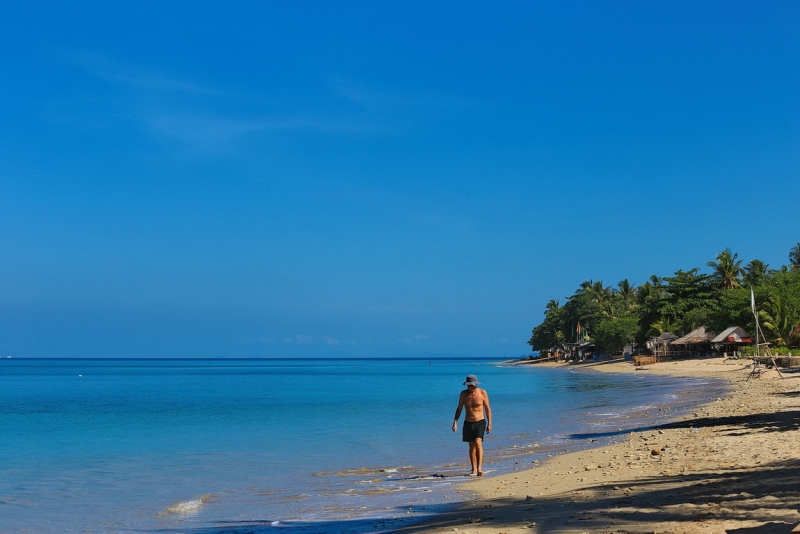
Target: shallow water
x: 313, y: 445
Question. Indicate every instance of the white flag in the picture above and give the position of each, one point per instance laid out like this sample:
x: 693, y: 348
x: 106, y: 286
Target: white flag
x: 752, y: 301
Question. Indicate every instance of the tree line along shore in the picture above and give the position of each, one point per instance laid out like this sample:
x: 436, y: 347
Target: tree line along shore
x: 615, y: 317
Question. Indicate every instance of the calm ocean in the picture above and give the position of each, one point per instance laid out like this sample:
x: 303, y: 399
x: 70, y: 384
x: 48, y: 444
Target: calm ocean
x: 216, y: 446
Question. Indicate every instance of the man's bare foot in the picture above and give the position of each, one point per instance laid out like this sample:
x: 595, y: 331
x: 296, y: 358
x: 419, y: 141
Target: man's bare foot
x: 480, y: 473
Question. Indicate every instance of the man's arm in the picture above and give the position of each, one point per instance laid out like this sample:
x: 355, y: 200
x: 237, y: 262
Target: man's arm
x: 458, y: 410
x: 488, y: 410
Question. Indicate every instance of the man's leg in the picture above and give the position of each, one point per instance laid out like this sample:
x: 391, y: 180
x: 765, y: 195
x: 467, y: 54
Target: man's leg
x: 478, y: 455
x: 473, y: 457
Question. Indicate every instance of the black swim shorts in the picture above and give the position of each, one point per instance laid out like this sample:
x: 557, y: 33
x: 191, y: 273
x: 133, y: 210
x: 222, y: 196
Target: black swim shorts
x: 473, y: 430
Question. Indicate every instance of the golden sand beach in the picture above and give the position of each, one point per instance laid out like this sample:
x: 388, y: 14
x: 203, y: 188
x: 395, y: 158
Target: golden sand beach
x: 732, y: 466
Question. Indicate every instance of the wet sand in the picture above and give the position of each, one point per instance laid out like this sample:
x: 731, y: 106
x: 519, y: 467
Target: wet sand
x: 732, y: 466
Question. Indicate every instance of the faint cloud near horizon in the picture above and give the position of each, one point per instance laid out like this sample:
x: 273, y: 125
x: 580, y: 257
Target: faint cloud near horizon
x: 302, y: 339
x: 401, y: 309
x: 413, y: 340
x: 330, y: 340
x: 259, y: 340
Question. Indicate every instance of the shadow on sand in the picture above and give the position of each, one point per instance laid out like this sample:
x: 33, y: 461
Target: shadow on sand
x: 742, y: 424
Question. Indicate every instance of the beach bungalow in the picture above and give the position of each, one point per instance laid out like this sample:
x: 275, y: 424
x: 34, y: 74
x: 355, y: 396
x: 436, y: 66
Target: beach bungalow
x: 695, y: 343
x: 730, y: 340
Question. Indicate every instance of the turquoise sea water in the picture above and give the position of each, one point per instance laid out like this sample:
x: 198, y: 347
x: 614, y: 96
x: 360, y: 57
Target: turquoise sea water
x: 214, y: 446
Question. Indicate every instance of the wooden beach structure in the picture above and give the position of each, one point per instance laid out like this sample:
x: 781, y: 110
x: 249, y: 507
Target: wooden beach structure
x: 644, y: 359
x: 695, y: 343
x: 659, y: 346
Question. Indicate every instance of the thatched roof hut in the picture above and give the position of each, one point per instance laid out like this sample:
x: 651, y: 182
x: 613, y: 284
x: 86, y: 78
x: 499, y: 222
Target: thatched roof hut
x: 695, y: 337
x: 659, y: 345
x: 666, y: 337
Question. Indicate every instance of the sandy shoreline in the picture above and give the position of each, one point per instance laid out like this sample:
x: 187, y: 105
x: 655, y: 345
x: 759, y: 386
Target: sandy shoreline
x: 731, y: 466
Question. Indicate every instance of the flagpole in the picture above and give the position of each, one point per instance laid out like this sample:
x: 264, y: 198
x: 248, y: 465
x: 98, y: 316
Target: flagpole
x: 755, y: 316
x: 756, y: 369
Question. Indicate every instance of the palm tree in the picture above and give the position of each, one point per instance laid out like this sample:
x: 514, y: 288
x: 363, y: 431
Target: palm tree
x: 611, y: 308
x: 596, y: 290
x: 755, y: 273
x: 626, y: 293
x: 662, y: 326
x: 553, y: 305
x: 646, y: 292
x: 726, y: 269
x: 780, y: 319
x: 653, y: 289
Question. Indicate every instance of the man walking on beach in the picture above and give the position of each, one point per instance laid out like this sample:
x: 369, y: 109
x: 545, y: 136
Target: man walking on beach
x: 478, y: 420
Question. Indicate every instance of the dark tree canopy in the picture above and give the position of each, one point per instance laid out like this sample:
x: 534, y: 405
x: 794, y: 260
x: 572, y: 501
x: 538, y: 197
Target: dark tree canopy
x: 794, y: 256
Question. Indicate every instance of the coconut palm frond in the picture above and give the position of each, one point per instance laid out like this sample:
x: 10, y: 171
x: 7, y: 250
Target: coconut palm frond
x: 727, y: 270
x: 779, y: 320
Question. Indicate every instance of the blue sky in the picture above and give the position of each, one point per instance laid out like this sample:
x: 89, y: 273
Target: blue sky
x: 281, y: 179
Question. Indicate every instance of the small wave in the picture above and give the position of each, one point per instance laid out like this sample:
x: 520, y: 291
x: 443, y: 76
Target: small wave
x: 192, y: 506
x: 365, y: 471
x: 427, y: 477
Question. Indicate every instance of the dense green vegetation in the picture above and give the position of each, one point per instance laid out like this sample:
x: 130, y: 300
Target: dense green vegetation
x: 614, y: 316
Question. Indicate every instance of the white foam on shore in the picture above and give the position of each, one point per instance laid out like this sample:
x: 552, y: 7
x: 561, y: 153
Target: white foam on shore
x: 192, y: 506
